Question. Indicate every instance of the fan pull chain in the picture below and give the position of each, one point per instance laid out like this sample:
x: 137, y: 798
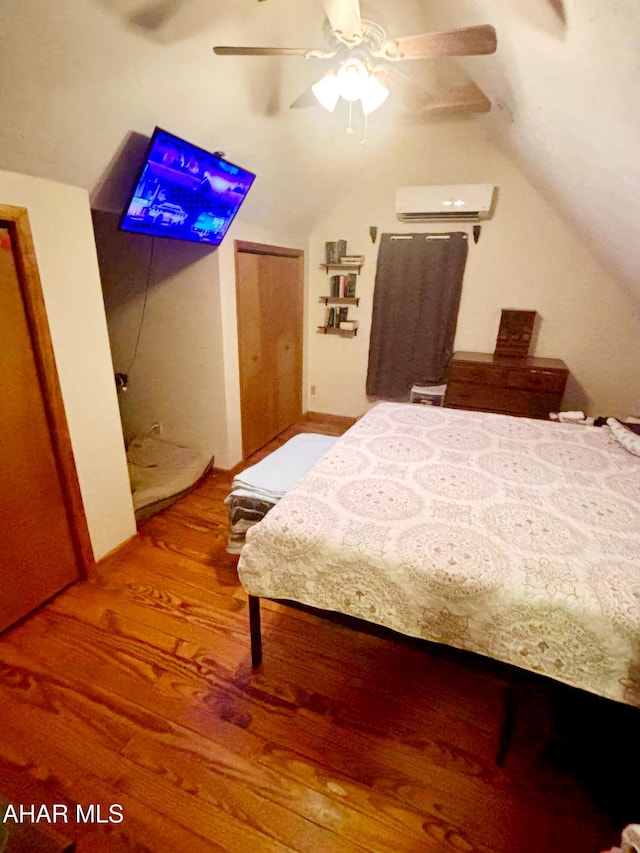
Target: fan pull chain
x: 364, y: 140
x: 350, y: 128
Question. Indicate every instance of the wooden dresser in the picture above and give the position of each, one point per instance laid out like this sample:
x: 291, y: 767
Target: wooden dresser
x: 527, y: 386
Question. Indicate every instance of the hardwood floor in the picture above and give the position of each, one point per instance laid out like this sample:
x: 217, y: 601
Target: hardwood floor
x: 135, y: 688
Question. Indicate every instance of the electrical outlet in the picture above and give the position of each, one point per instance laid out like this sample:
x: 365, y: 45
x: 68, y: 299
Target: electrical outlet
x: 312, y: 390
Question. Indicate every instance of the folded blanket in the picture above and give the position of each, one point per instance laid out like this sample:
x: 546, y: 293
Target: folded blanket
x: 258, y: 488
x: 273, y: 476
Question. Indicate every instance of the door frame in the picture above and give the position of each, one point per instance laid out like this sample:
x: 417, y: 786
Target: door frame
x: 247, y: 246
x: 16, y: 221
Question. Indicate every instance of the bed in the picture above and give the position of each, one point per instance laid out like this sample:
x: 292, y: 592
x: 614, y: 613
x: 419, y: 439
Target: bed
x: 513, y: 538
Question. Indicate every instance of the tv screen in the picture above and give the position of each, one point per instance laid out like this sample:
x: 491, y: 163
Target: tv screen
x: 185, y: 192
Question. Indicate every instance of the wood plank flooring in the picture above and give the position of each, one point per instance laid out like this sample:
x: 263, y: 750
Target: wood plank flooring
x: 136, y: 688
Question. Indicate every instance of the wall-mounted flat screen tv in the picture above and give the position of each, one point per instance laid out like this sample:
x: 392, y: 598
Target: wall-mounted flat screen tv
x: 185, y: 192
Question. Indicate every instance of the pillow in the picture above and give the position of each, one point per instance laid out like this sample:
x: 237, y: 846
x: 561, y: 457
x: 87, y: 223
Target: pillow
x: 628, y: 439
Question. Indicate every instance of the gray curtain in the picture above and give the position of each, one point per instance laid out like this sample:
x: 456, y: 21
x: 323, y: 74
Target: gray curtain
x: 415, y: 310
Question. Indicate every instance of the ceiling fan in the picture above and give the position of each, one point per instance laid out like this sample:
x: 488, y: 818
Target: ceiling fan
x: 364, y: 62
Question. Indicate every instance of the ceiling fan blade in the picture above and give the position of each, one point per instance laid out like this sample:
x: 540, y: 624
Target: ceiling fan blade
x: 306, y: 99
x: 344, y: 17
x: 225, y: 50
x: 468, y: 98
x: 457, y: 95
x: 455, y: 100
x: 469, y: 41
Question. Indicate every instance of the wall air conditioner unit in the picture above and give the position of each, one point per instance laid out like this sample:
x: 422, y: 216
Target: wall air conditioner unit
x: 445, y: 203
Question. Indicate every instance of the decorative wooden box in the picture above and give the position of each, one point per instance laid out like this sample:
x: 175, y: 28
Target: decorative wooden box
x: 515, y: 333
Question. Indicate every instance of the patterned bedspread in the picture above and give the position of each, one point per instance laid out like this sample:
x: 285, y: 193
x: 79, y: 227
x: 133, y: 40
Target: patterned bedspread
x: 513, y: 538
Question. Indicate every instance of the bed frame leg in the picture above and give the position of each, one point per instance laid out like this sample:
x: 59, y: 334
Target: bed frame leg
x: 512, y: 697
x: 254, y: 628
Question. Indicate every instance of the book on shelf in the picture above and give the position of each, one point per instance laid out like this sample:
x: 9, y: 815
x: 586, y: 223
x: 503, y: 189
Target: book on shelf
x: 342, y: 286
x: 351, y: 259
x: 334, y: 250
x: 336, y: 316
x: 330, y: 252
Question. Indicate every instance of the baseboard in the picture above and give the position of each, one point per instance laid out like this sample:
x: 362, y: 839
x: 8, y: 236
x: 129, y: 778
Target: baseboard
x: 337, y: 420
x: 110, y: 555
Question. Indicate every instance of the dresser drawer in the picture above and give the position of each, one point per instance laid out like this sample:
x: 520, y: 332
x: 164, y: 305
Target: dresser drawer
x: 537, y: 380
x: 529, y: 378
x: 509, y: 401
x: 485, y: 374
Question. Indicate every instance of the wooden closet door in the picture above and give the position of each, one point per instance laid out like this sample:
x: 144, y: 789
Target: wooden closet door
x: 269, y: 293
x: 37, y: 553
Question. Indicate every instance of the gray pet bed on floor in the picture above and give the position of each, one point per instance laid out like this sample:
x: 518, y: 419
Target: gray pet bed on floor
x: 161, y: 472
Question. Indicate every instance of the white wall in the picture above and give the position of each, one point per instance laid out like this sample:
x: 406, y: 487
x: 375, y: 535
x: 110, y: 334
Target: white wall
x: 185, y: 375
x: 60, y: 222
x: 176, y: 375
x: 527, y: 257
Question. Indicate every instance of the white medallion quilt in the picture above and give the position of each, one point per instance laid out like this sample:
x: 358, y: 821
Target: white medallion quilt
x: 513, y: 538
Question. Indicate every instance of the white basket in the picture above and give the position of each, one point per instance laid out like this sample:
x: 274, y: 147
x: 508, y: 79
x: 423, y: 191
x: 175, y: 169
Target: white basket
x: 428, y: 395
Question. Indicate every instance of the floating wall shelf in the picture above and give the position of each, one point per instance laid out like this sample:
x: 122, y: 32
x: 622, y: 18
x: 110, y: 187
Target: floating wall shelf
x: 332, y: 330
x: 343, y: 280
x: 346, y: 267
x: 341, y: 300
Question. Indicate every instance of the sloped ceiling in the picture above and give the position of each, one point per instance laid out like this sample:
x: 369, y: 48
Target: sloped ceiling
x: 84, y: 82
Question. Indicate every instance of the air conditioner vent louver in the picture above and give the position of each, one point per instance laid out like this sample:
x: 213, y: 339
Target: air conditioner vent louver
x: 445, y: 203
x: 426, y: 217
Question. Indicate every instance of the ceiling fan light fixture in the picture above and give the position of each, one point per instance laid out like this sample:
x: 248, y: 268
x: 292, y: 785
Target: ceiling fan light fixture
x: 327, y: 91
x: 352, y: 80
x: 373, y: 95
